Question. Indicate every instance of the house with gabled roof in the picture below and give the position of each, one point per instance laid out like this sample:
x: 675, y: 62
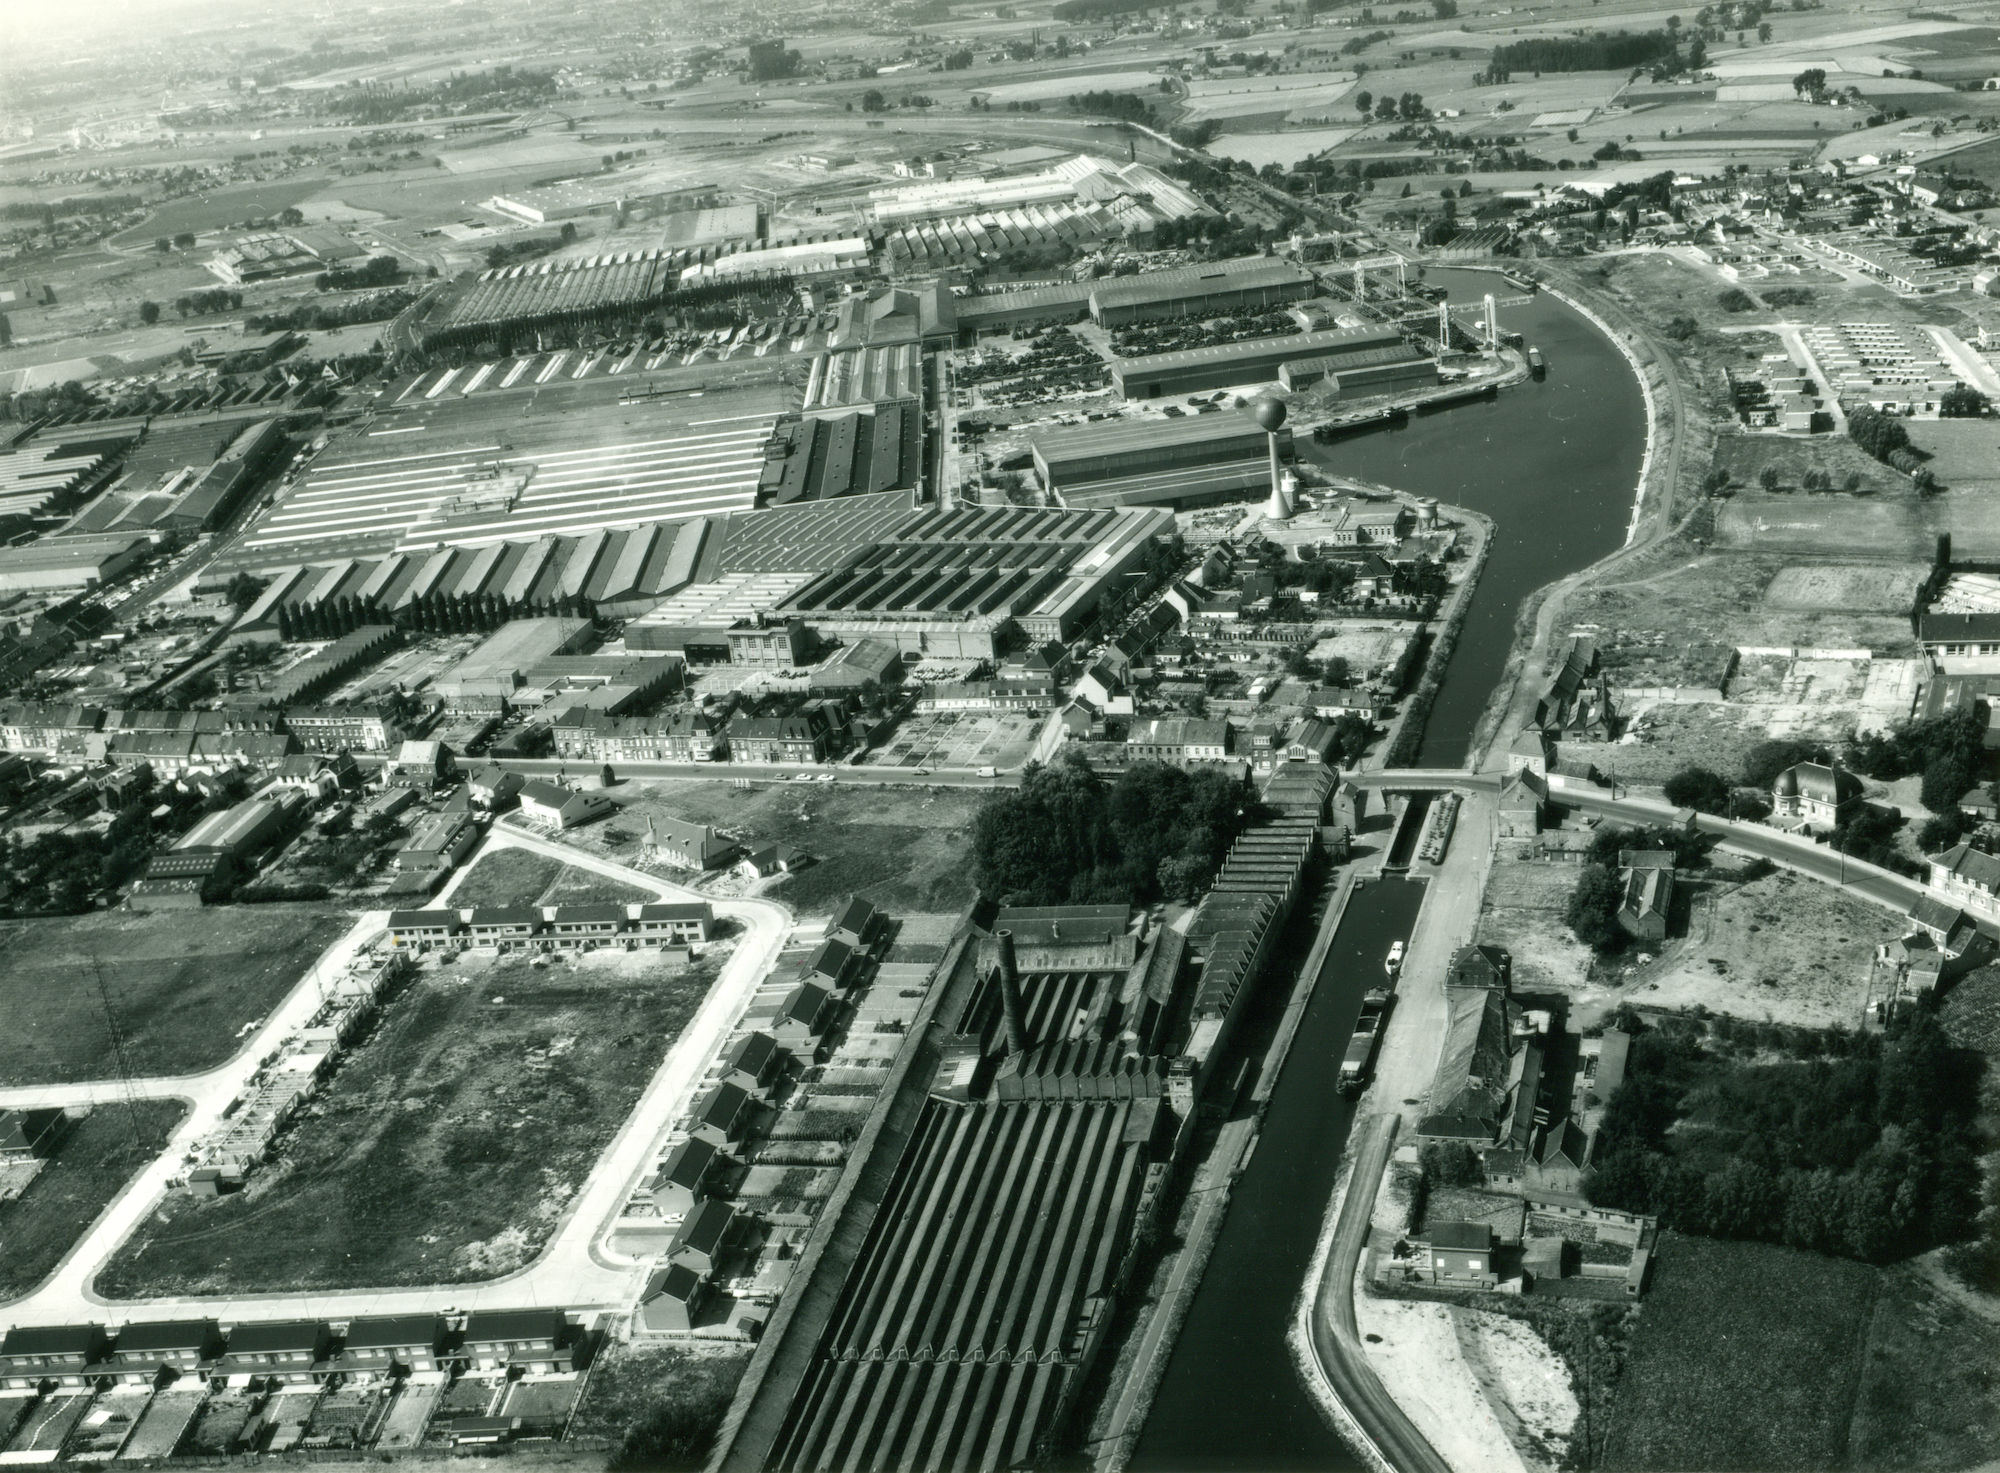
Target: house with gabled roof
x: 34, y: 1356
x: 754, y: 1062
x: 527, y: 1340
x: 151, y: 1350
x: 703, y: 1237
x: 807, y: 1012
x: 377, y: 1347
x: 683, y: 1177
x: 723, y: 1115
x: 854, y: 923
x: 672, y: 1301
x: 1967, y: 877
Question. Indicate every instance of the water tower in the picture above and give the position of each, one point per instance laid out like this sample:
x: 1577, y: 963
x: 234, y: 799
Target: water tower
x: 1270, y: 415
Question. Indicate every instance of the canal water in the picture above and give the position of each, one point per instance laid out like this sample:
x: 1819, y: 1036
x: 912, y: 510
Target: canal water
x: 1555, y: 463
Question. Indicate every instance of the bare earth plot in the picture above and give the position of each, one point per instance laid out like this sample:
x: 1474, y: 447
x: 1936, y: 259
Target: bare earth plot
x: 512, y: 877
x: 183, y: 985
x: 448, y: 1144
x: 94, y: 1159
x: 1523, y: 911
x: 1781, y: 948
x: 1861, y: 588
x: 903, y: 849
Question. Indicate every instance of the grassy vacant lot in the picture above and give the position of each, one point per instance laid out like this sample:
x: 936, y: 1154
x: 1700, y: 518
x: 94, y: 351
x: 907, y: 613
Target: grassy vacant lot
x: 1745, y: 1357
x: 182, y: 985
x: 660, y: 1405
x: 1965, y: 454
x: 97, y: 1156
x: 1929, y: 1397
x: 1746, y: 456
x: 220, y: 207
x: 447, y: 1145
x: 904, y: 849
x: 517, y: 877
x: 1780, y: 948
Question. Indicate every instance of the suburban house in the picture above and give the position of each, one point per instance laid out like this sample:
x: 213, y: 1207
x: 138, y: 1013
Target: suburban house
x: 177, y: 1348
x: 852, y: 926
x: 1647, y: 876
x: 377, y: 1347
x: 771, y: 859
x: 681, y: 1180
x: 494, y: 788
x: 673, y: 1298
x: 420, y: 765
x: 1178, y: 740
x: 808, y: 1011
x: 680, y: 922
x: 754, y: 1062
x: 33, y: 1356
x: 286, y: 1351
x: 1520, y: 814
x: 834, y: 963
x: 29, y: 1135
x: 1967, y: 877
x: 805, y: 737
x: 694, y: 846
x: 563, y: 808
x: 580, y: 927
x: 1461, y: 1253
x: 1812, y: 795
x: 703, y: 1236
x: 532, y: 1340
x: 421, y: 929
x: 439, y: 842
x: 504, y: 926
x: 723, y: 1115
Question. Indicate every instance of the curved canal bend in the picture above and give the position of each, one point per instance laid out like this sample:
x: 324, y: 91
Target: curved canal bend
x: 1555, y: 463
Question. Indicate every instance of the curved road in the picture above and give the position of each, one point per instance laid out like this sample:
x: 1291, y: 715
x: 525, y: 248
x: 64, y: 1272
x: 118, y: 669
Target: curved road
x: 574, y: 1271
x: 1336, y: 1340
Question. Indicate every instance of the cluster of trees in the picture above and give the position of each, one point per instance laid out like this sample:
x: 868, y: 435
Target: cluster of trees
x: 1333, y: 672
x: 325, y: 316
x: 81, y: 206
x: 435, y: 613
x: 63, y: 872
x: 201, y: 304
x: 1884, y: 437
x: 1124, y: 106
x: 1948, y: 750
x: 1600, y: 51
x: 1857, y: 1145
x: 382, y: 102
x: 1066, y: 836
x: 511, y: 252
x: 375, y: 271
x: 1409, y: 107
x: 1097, y: 9
x: 772, y: 61
x: 1962, y: 401
x: 1592, y: 912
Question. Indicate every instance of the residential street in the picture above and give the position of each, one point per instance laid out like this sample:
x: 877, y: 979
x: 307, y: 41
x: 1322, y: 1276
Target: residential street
x: 575, y: 1270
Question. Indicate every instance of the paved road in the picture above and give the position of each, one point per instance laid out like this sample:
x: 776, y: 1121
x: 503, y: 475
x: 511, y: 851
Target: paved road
x: 1870, y: 882
x: 710, y: 772
x: 575, y: 1271
x: 1336, y: 1341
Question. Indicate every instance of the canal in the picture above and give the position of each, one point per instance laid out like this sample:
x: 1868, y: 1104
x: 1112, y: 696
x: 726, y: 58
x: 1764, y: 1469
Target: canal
x: 1555, y: 463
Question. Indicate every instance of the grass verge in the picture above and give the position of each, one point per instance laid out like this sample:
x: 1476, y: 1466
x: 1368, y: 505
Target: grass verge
x: 182, y: 986
x: 98, y: 1154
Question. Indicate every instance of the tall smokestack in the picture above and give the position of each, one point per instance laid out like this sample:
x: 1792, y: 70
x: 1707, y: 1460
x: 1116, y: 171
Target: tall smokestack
x: 1012, y: 1011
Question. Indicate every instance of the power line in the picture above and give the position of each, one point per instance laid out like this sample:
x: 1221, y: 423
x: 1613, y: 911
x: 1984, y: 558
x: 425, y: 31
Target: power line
x: 117, y: 1047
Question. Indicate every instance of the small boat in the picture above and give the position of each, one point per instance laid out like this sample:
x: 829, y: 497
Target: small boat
x: 1394, y: 962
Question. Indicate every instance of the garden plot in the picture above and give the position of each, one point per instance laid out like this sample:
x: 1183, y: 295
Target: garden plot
x: 1056, y: 88
x: 1861, y: 588
x: 1801, y: 696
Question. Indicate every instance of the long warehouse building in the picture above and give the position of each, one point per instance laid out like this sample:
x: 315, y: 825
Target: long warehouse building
x: 1134, y: 462
x: 1255, y: 360
x: 1205, y: 290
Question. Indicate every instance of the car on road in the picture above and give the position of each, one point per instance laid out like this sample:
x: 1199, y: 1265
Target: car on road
x: 920, y: 772
x: 824, y: 777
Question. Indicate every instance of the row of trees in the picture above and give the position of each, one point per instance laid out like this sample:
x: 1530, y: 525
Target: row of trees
x: 434, y: 613
x: 375, y: 271
x: 1067, y: 836
x: 1600, y: 51
x: 1124, y: 106
x: 1870, y: 1155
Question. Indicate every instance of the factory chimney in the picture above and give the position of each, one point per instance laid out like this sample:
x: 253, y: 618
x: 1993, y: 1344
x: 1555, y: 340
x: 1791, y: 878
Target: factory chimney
x: 1013, y: 1011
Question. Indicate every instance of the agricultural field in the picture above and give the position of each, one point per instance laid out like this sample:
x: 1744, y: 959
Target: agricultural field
x: 1964, y: 454
x: 1744, y: 1356
x: 184, y: 987
x: 218, y: 208
x: 662, y: 1406
x: 448, y: 1144
x: 1928, y: 1396
x: 903, y: 849
x: 97, y: 1154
